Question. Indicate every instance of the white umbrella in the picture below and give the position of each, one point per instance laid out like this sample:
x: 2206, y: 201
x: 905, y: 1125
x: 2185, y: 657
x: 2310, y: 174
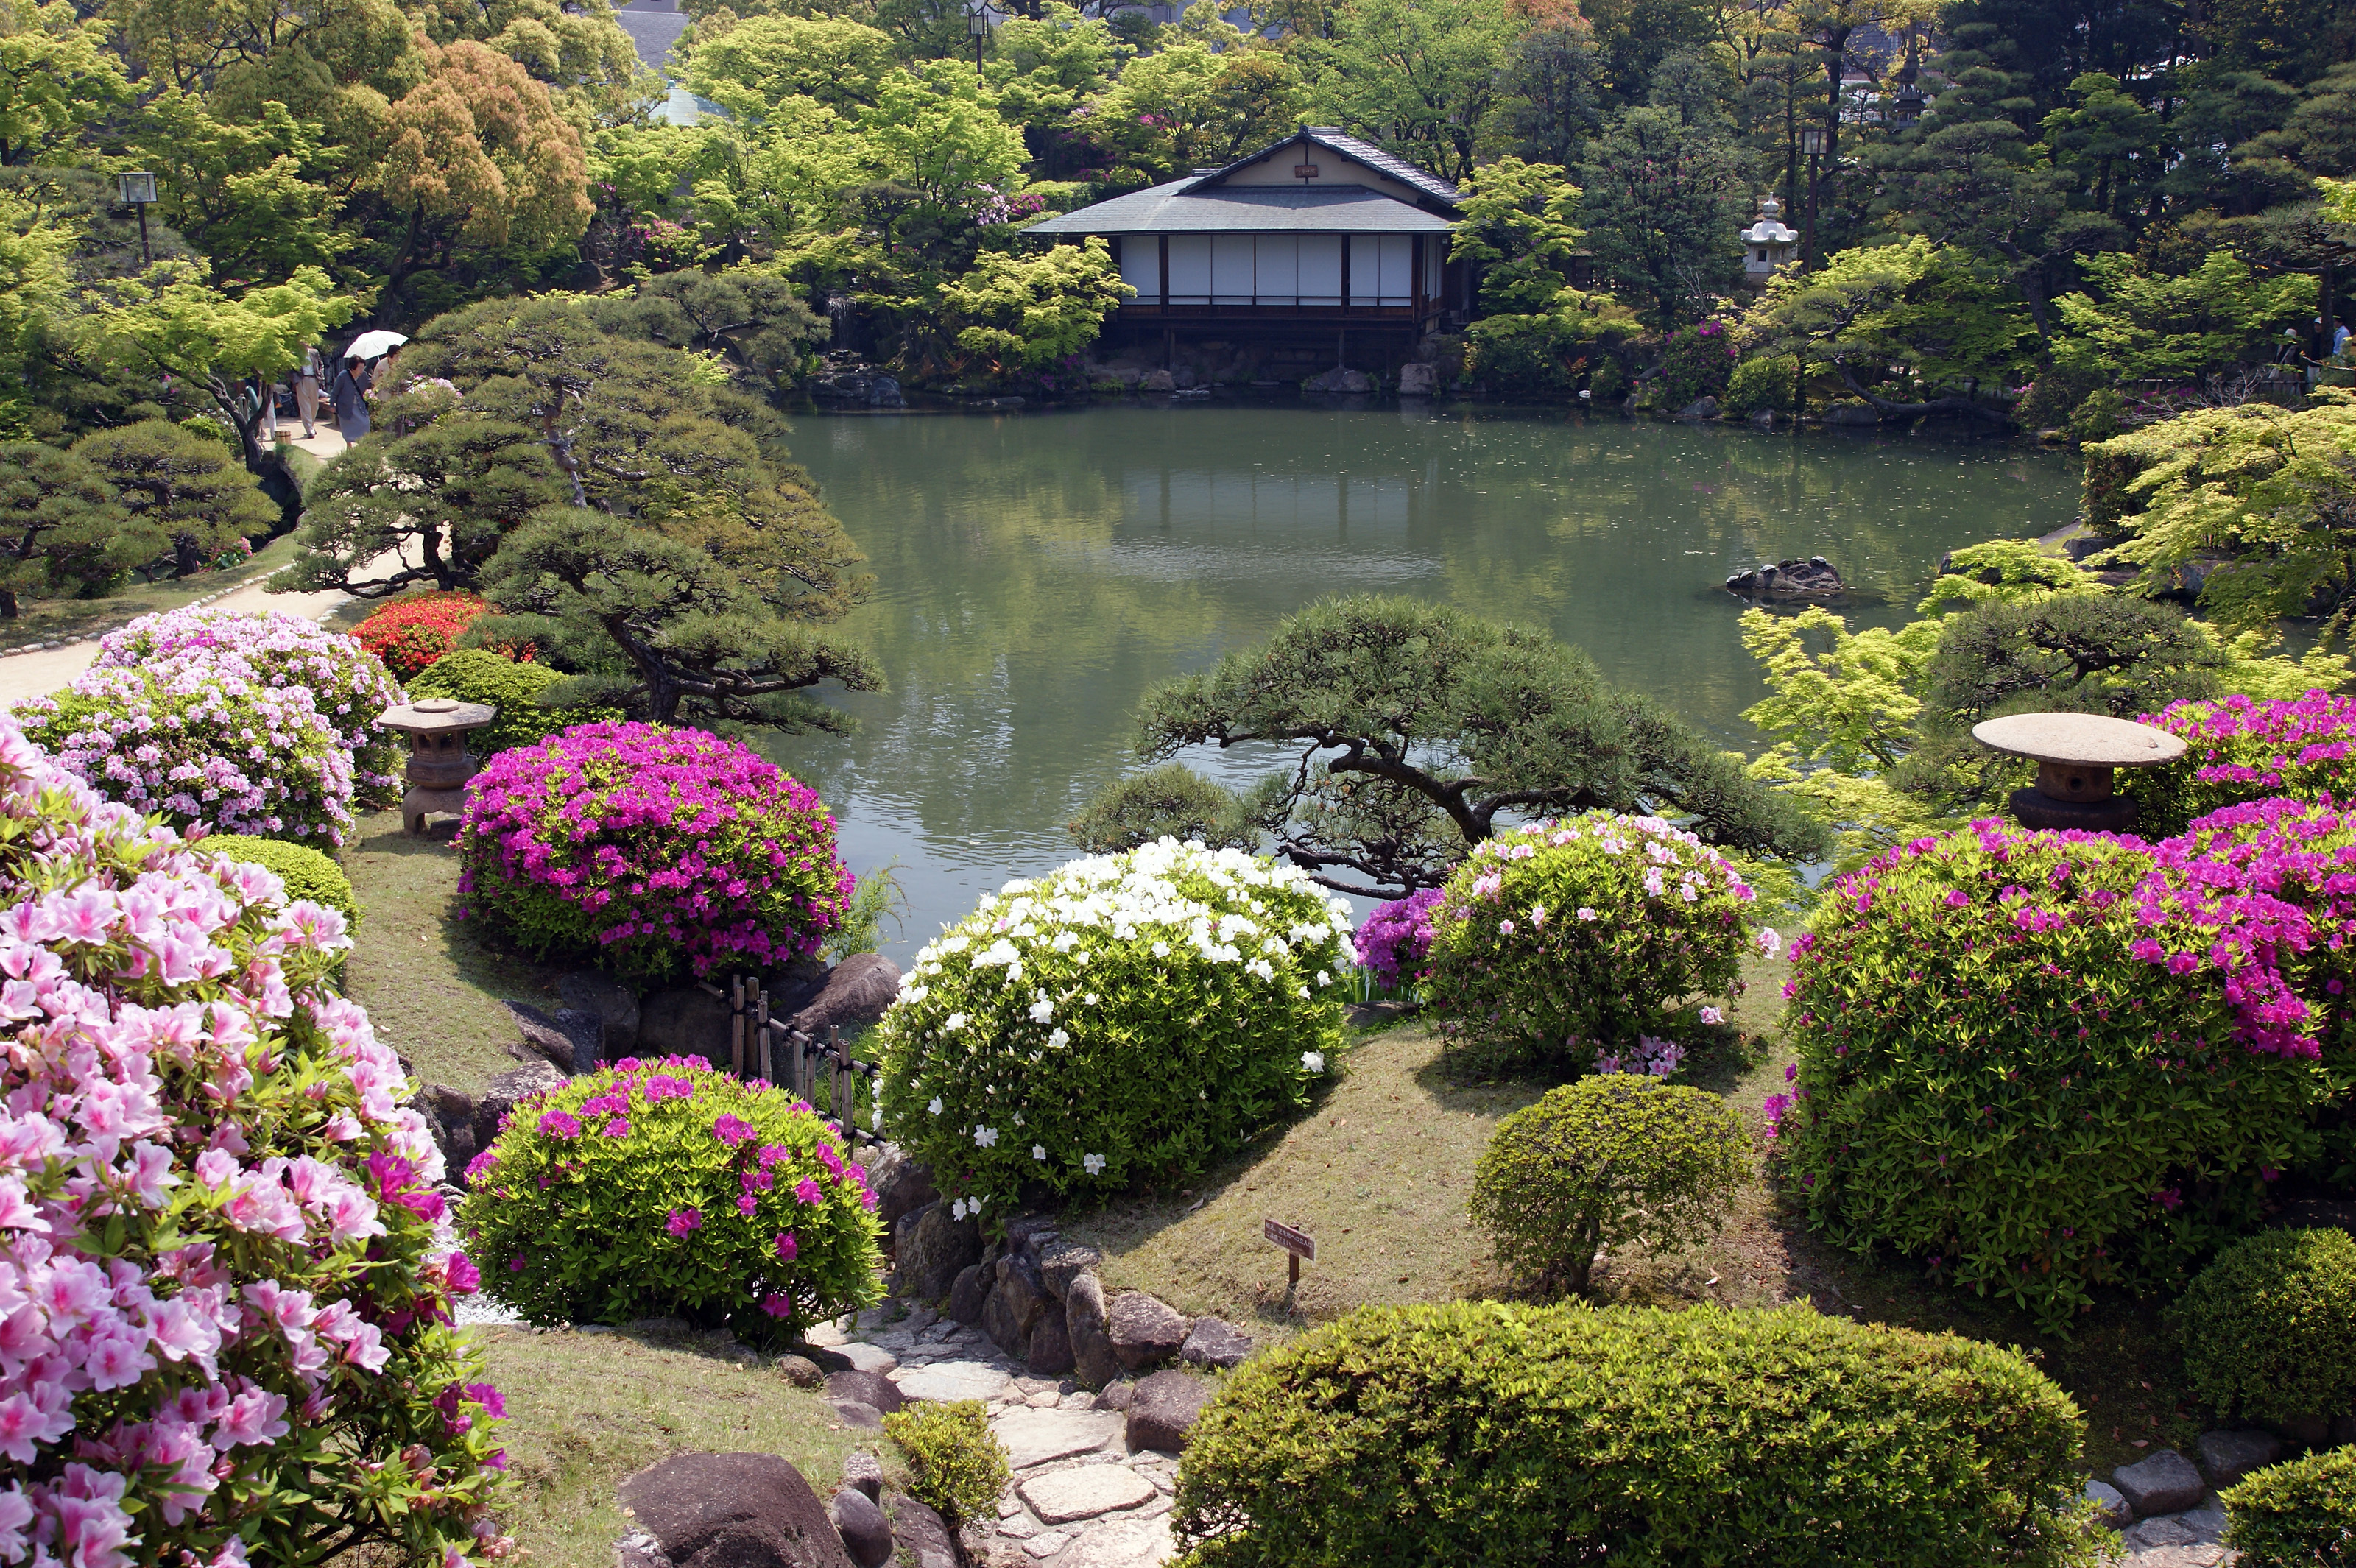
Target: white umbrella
x: 373, y: 345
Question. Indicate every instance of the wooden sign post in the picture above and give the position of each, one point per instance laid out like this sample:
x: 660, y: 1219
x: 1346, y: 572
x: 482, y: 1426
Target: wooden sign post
x: 1298, y: 1243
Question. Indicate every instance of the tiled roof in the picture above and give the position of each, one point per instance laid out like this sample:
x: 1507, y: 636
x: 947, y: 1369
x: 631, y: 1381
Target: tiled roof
x: 1373, y: 157
x: 1179, y: 207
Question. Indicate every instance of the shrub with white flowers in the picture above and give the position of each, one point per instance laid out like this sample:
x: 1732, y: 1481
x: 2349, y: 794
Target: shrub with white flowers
x: 1584, y: 941
x: 1129, y: 1017
x: 225, y: 1320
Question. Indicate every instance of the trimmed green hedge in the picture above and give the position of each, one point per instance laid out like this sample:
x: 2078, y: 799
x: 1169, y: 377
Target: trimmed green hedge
x: 2269, y: 1328
x: 2298, y: 1515
x: 479, y: 674
x: 308, y: 873
x: 1482, y: 1432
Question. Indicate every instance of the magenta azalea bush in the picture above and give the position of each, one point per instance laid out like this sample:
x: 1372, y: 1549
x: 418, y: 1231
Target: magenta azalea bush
x: 2242, y: 748
x: 201, y: 747
x: 660, y: 851
x: 1392, y: 940
x: 657, y: 1187
x: 1586, y: 942
x: 348, y: 685
x: 2045, y: 1063
x: 224, y: 1317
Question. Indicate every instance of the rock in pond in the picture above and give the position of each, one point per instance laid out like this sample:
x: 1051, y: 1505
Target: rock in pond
x: 1815, y: 578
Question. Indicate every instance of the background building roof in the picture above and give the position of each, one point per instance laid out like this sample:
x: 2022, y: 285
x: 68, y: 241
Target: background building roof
x: 1178, y: 207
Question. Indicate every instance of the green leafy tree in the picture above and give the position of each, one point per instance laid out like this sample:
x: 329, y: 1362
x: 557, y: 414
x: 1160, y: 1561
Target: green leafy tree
x: 251, y: 197
x: 1520, y: 229
x: 1416, y: 724
x: 762, y: 61
x: 752, y: 315
x: 181, y: 487
x: 2132, y: 324
x: 59, y: 80
x: 1208, y: 95
x: 1664, y: 200
x: 1035, y: 311
x: 1424, y: 79
x: 60, y: 531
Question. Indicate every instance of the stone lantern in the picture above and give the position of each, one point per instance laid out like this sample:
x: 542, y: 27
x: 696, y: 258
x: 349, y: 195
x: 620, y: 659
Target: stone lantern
x: 1768, y: 246
x: 2077, y: 757
x: 439, y: 762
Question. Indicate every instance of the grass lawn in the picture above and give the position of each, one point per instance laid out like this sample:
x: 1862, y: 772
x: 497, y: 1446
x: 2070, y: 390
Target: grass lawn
x: 1380, y: 1172
x: 48, y: 620
x: 432, y: 990
x: 589, y: 1409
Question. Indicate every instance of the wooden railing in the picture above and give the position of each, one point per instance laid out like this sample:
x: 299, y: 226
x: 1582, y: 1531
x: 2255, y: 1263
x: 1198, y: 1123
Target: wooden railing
x: 761, y: 1047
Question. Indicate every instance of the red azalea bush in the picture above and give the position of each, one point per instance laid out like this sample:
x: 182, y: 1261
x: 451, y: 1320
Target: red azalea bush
x: 409, y: 633
x: 224, y: 1319
x: 654, y: 1188
x: 2043, y: 1062
x: 660, y: 851
x: 2242, y: 748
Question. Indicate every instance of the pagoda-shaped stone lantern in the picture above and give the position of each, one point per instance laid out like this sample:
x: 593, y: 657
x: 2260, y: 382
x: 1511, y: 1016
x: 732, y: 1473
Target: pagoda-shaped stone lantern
x: 2078, y: 756
x: 439, y: 762
x: 1768, y: 246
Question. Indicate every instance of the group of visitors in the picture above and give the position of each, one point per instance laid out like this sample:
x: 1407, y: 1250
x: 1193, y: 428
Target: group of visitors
x: 347, y: 387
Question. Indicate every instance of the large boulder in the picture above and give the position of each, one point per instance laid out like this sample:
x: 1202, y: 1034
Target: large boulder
x: 2227, y: 1456
x: 1341, y: 379
x: 1162, y: 1409
x: 856, y: 992
x: 922, y: 1535
x: 1087, y: 1327
x: 1157, y: 381
x: 867, y: 1388
x: 506, y: 1091
x: 866, y: 1533
x: 863, y: 1471
x: 930, y: 1248
x: 2165, y: 1483
x: 450, y: 1118
x: 1212, y: 1342
x: 1699, y: 411
x: 614, y: 1004
x: 1063, y: 1262
x: 1145, y: 1331
x: 734, y: 1511
x: 1016, y: 1303
x: 1417, y: 381
x: 686, y: 1021
x: 900, y: 1184
x: 570, y: 1041
x: 1051, y: 1345
x: 1815, y: 578
x: 969, y: 1292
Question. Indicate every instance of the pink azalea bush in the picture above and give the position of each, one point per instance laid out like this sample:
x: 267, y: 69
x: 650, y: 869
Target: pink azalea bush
x: 654, y: 1188
x: 201, y: 747
x: 1584, y: 941
x: 2045, y: 1063
x: 660, y: 851
x: 348, y: 685
x: 224, y: 1319
x: 2244, y: 749
x: 1393, y: 939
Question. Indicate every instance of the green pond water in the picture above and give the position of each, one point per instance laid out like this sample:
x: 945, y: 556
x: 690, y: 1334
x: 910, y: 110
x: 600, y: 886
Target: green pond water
x: 1035, y: 571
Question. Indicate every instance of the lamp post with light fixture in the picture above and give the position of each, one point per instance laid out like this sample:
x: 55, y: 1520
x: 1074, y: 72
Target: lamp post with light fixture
x: 977, y: 24
x: 1812, y: 142
x: 138, y: 189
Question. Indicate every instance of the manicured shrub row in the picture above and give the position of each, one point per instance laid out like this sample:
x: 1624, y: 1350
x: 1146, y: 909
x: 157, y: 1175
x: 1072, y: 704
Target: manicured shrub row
x: 479, y: 674
x: 1127, y: 1018
x: 1496, y: 1434
x: 2298, y: 1515
x: 229, y: 1324
x: 2269, y: 1328
x: 2043, y: 1062
x: 660, y: 1187
x: 658, y: 852
x: 2240, y: 749
x: 306, y: 873
x: 1578, y: 941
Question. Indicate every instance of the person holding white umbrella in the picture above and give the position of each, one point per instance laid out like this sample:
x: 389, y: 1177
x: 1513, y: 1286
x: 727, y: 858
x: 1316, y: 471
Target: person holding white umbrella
x: 350, y: 392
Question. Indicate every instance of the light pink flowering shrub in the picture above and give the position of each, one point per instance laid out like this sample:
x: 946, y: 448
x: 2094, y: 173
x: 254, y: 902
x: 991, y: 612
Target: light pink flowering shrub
x: 199, y: 746
x: 348, y: 685
x: 657, y: 851
x: 663, y: 1186
x: 2243, y: 749
x: 224, y: 1320
x: 1584, y: 941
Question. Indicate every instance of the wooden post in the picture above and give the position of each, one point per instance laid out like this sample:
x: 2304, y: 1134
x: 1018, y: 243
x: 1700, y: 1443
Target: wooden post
x: 839, y: 1086
x: 760, y: 1021
x: 736, y: 1026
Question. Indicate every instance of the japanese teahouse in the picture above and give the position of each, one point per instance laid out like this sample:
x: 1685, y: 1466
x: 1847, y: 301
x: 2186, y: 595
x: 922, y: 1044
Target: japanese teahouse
x: 1321, y: 235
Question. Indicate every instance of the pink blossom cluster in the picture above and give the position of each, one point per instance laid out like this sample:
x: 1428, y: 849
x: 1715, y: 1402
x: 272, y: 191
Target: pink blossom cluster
x: 222, y: 1312
x: 660, y: 850
x: 2241, y: 748
x: 348, y: 685
x: 1393, y: 940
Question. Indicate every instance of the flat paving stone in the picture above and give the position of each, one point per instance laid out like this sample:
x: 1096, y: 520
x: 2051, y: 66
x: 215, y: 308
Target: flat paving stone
x: 1128, y: 1543
x: 869, y: 1358
x: 951, y: 1381
x: 1046, y: 1546
x: 1037, y: 1436
x: 1059, y: 1497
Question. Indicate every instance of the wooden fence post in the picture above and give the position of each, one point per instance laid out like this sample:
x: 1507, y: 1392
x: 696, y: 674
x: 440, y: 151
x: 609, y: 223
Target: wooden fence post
x: 736, y: 1026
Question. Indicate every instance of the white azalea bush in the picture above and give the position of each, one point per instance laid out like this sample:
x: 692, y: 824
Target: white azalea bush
x: 1129, y: 1017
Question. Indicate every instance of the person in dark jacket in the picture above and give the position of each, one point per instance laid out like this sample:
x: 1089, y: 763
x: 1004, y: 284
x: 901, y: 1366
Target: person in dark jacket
x: 349, y: 397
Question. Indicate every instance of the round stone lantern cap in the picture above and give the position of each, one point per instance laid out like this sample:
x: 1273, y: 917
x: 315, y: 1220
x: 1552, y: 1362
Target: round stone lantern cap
x: 2088, y: 739
x: 435, y: 715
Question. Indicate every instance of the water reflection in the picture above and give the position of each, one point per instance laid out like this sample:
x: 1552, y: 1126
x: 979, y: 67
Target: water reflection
x: 1035, y: 572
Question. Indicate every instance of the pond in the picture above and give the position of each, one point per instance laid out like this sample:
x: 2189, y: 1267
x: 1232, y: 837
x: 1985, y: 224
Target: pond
x: 1036, y: 571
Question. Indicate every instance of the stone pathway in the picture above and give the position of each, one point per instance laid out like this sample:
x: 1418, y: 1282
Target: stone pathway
x: 2189, y: 1540
x: 1078, y: 1497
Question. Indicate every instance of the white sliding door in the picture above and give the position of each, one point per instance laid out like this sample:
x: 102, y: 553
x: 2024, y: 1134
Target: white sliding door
x: 1140, y: 265
x: 1321, y: 269
x: 1231, y: 269
x: 1189, y: 269
x: 1279, y: 268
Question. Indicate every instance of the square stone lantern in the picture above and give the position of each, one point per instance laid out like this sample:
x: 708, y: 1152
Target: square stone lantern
x: 2078, y: 756
x: 439, y: 762
x: 1768, y: 245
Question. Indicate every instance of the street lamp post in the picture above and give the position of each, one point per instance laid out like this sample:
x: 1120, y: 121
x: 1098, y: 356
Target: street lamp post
x: 1812, y: 142
x: 139, y: 191
x: 976, y: 25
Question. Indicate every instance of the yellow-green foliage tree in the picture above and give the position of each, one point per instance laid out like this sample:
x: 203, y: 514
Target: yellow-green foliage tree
x: 1035, y: 311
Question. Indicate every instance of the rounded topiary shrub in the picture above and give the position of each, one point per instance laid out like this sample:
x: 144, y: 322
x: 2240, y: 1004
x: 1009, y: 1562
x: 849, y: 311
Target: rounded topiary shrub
x: 2297, y: 1515
x: 658, y: 852
x: 306, y: 873
x: 1127, y: 1018
x: 1580, y: 940
x: 1607, y: 1161
x: 1484, y: 1433
x: 416, y: 631
x: 2269, y: 1328
x: 229, y: 1336
x: 348, y: 685
x: 479, y: 674
x: 201, y: 746
x: 2244, y: 749
x: 659, y: 1188
x: 2039, y: 1063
